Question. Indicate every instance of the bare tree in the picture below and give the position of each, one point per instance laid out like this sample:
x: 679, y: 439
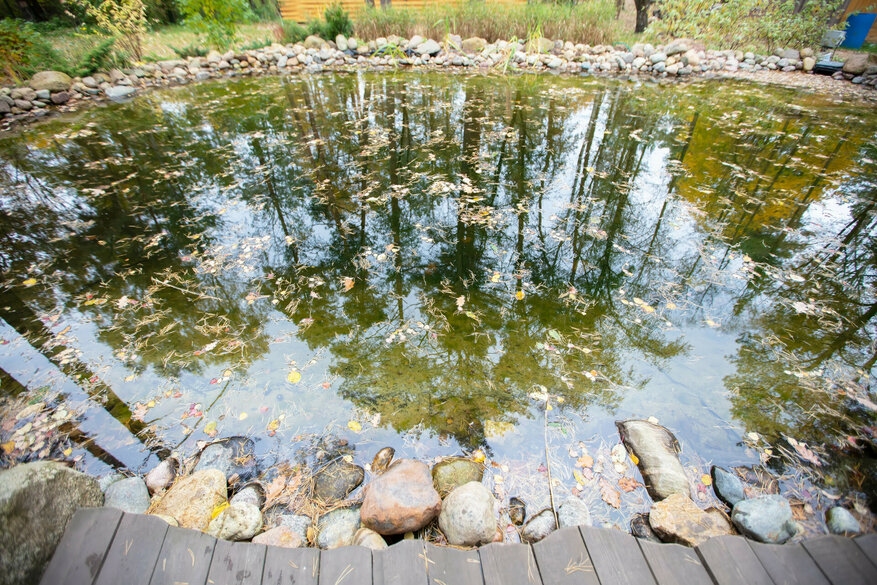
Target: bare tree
x: 642, y: 14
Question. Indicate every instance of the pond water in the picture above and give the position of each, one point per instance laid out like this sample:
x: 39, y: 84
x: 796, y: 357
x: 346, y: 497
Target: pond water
x: 416, y: 260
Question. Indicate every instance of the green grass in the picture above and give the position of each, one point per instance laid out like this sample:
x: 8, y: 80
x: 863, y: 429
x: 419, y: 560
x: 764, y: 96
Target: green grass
x: 869, y: 48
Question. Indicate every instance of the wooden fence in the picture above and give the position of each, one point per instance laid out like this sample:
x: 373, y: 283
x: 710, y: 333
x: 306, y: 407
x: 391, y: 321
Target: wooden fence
x: 858, y: 6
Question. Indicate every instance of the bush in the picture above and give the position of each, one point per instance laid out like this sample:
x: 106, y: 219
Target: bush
x: 292, y: 32
x: 256, y: 44
x: 23, y: 51
x: 753, y: 24
x: 335, y: 22
x: 215, y: 18
x: 190, y: 51
x: 98, y: 58
x: 591, y: 22
x: 125, y: 20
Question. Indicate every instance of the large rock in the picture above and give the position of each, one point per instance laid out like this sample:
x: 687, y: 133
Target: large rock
x: 428, y: 47
x: 281, y: 536
x: 539, y: 526
x: 765, y: 518
x: 237, y: 522
x: 36, y: 502
x: 573, y: 512
x: 727, y: 486
x: 315, y: 42
x: 401, y: 500
x: 454, y: 472
x: 252, y: 493
x: 858, y: 62
x: 338, y: 527
x: 234, y: 457
x: 678, y: 519
x: 840, y: 521
x: 474, y: 45
x: 657, y: 450
x: 51, y: 81
x: 335, y: 481
x: 467, y: 517
x: 191, y: 499
x: 640, y: 527
x: 297, y: 523
x: 162, y: 475
x: 118, y: 92
x: 129, y: 495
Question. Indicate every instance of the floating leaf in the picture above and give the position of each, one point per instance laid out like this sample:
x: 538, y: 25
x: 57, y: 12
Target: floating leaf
x: 347, y: 283
x: 628, y: 484
x: 494, y: 428
x: 804, y: 451
x: 68, y: 451
x: 354, y: 426
x: 210, y: 429
x: 478, y: 456
x: 580, y: 479
x: 585, y: 461
x: 634, y: 458
x: 243, y: 416
x: 519, y: 295
x: 8, y: 447
x: 609, y: 494
x: 29, y: 282
x: 706, y: 479
x: 294, y: 376
x: 218, y: 510
x: 273, y: 425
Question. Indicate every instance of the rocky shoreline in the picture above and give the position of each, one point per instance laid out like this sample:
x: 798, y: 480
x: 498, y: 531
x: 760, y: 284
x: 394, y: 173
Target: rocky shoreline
x: 223, y: 491
x: 52, y: 91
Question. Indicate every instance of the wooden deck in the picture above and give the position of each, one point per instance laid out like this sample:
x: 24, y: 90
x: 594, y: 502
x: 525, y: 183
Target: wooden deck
x: 106, y: 547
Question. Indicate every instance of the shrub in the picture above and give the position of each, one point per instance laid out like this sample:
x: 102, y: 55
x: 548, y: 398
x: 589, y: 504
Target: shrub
x: 747, y: 23
x: 125, y: 20
x: 215, y: 18
x: 98, y: 58
x: 190, y: 51
x: 292, y: 32
x: 335, y: 22
x: 256, y: 44
x: 591, y: 22
x: 23, y: 51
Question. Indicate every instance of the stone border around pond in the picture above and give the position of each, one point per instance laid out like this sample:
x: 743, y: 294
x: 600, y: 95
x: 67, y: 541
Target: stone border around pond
x: 48, y: 92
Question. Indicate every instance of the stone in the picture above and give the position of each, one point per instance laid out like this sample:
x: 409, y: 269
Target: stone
x: 341, y: 43
x: 467, y: 517
x: 105, y: 481
x: 640, y: 528
x: 382, y: 460
x: 281, y: 536
x: 297, y: 523
x: 517, y: 511
x: 5, y: 107
x: 43, y: 94
x: 233, y: 456
x: 428, y: 47
x: 118, y: 92
x: 765, y: 518
x: 809, y: 63
x: 806, y: 52
x: 474, y: 45
x: 60, y: 98
x: 369, y: 539
x: 658, y: 58
x: 538, y: 527
x: 191, y: 499
x: 727, y: 486
x: 37, y: 501
x: 678, y: 519
x: 841, y: 521
x: 401, y: 500
x: 282, y: 61
x: 454, y: 472
x: 162, y: 475
x: 675, y: 48
x: 169, y: 519
x: 129, y: 495
x: 241, y: 521
x: 855, y: 63
x: 314, y: 42
x: 89, y: 82
x: 23, y: 93
x: 657, y: 450
x: 573, y: 512
x: 51, y: 81
x: 335, y: 481
x: 554, y: 63
x: 252, y: 493
x: 338, y: 527
x: 791, y: 54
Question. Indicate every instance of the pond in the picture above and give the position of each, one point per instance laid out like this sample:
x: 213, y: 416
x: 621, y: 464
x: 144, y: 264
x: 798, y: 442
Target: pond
x: 419, y: 260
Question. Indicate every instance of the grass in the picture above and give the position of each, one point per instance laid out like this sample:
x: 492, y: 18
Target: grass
x: 590, y: 23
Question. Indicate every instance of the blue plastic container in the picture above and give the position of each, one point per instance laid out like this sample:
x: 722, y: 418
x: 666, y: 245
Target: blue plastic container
x: 858, y: 26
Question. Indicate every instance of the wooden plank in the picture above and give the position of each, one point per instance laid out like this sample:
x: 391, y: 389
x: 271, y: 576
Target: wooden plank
x: 81, y: 551
x: 348, y: 565
x: 404, y: 563
x: 563, y: 559
x: 184, y: 558
x: 868, y: 544
x: 842, y: 561
x: 788, y: 564
x: 730, y: 561
x: 617, y: 558
x: 236, y: 563
x: 134, y: 551
x: 673, y: 564
x: 509, y: 564
x: 452, y: 566
x: 291, y: 566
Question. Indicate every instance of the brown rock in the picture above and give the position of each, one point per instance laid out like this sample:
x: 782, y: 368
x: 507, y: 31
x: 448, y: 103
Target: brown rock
x: 60, y: 97
x: 382, y: 459
x: 678, y: 519
x: 282, y: 536
x: 401, y: 500
x: 191, y: 499
x: 857, y: 63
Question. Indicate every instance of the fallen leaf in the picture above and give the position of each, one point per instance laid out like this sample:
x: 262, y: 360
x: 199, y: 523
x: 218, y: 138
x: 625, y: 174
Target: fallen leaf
x: 218, y: 510
x: 347, y: 283
x: 706, y: 479
x: 273, y: 425
x: 8, y: 447
x: 29, y: 282
x: 478, y: 456
x: 354, y: 426
x: 294, y: 376
x: 609, y: 494
x: 210, y: 429
x: 519, y: 295
x: 585, y: 461
x: 628, y: 484
x: 805, y: 452
x: 68, y: 452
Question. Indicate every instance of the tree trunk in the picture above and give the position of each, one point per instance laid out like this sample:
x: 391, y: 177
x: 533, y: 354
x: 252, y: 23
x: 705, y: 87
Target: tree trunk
x: 642, y: 14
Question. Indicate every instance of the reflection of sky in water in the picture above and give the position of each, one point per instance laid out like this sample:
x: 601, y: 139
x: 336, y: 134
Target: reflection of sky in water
x: 642, y: 198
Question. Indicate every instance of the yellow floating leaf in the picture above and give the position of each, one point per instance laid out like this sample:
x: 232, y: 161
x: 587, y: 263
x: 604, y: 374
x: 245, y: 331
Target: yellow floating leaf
x: 495, y: 277
x: 68, y: 451
x: 634, y: 458
x: 273, y: 425
x: 243, y: 416
x: 354, y: 426
x: 29, y: 282
x: 210, y: 428
x: 8, y: 447
x: 711, y: 323
x: 519, y: 295
x: 218, y: 510
x: 670, y: 306
x: 294, y: 376
x: 131, y: 378
x: 706, y: 479
x: 150, y: 404
x: 347, y: 283
x: 494, y: 428
x: 478, y: 456
x: 580, y: 479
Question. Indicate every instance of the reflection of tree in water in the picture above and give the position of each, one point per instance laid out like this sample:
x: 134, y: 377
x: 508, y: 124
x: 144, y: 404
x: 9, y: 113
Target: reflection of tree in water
x: 372, y: 204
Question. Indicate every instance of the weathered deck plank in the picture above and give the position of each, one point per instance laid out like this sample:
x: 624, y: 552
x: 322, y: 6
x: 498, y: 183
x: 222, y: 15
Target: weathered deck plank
x: 730, y: 561
x: 184, y: 558
x: 236, y: 563
x: 451, y: 566
x: 404, y: 563
x: 291, y: 566
x: 868, y: 544
x: 788, y: 564
x: 348, y: 565
x: 617, y: 558
x: 509, y: 564
x: 134, y: 551
x: 563, y: 559
x: 842, y: 561
x: 81, y: 552
x: 674, y: 564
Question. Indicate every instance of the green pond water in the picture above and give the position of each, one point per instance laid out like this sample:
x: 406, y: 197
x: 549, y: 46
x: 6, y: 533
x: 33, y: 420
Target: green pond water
x: 416, y: 260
